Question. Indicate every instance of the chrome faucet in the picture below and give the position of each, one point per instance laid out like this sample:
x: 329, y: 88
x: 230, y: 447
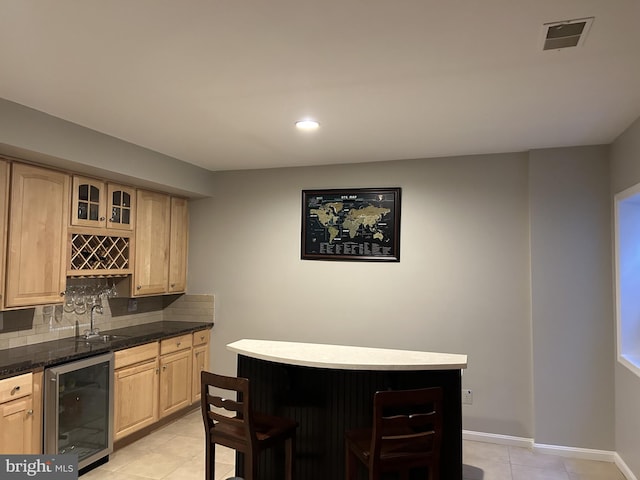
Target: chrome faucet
x: 94, y: 332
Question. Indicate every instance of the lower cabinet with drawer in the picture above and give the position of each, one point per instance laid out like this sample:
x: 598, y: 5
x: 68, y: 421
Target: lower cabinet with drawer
x: 135, y: 389
x: 175, y: 374
x: 157, y: 379
x: 20, y: 414
x: 200, y: 361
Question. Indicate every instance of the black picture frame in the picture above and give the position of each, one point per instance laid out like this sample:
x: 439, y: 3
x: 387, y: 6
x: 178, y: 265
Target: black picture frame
x: 356, y: 224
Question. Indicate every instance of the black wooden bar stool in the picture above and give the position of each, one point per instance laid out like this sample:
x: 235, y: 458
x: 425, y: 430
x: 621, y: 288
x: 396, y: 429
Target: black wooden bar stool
x: 406, y: 434
x: 233, y: 423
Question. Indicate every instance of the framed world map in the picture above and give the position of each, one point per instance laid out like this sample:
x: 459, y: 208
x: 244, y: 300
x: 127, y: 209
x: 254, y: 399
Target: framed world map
x: 351, y: 224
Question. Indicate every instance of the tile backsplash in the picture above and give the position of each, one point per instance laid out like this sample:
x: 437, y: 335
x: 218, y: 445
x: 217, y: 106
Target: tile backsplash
x: 50, y: 322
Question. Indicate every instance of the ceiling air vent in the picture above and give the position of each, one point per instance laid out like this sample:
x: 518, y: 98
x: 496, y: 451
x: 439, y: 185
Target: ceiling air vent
x: 568, y: 33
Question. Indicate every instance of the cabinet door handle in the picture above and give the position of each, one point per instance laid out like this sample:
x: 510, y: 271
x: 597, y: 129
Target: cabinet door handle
x: 173, y: 285
x: 29, y: 412
x: 157, y: 371
x: 202, y: 338
x: 102, y: 219
x: 164, y: 367
x: 138, y: 287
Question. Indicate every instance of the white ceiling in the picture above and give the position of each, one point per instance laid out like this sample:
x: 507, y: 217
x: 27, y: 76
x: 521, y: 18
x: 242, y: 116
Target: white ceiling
x: 219, y: 83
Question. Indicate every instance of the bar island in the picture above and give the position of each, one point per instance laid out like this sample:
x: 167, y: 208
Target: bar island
x: 329, y: 389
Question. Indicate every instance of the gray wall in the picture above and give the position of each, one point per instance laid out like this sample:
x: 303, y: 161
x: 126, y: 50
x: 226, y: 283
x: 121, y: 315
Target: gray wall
x: 32, y: 135
x: 463, y: 284
x: 573, y: 341
x: 625, y: 170
x: 504, y: 257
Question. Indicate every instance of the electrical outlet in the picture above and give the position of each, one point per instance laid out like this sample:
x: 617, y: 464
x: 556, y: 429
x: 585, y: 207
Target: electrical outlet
x: 133, y: 305
x: 467, y: 396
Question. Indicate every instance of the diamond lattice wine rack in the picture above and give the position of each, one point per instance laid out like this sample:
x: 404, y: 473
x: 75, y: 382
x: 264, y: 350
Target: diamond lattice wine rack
x: 99, y: 255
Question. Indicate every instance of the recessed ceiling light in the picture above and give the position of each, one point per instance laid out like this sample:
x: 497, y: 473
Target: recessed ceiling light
x: 307, y: 124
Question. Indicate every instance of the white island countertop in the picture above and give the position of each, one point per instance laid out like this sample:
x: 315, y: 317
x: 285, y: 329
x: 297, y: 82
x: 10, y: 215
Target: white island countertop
x: 345, y: 357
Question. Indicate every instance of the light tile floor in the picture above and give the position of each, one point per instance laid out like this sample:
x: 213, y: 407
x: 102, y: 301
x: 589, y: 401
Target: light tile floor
x: 176, y: 452
x: 487, y: 461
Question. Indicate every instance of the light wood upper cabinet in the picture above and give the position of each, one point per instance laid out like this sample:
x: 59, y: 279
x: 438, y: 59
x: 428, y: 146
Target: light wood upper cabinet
x: 4, y: 197
x: 95, y: 203
x: 162, y: 238
x: 54, y: 224
x: 179, y: 245
x: 151, y: 263
x: 37, y: 236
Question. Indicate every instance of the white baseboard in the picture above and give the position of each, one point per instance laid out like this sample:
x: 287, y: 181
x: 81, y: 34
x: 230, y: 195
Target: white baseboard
x: 497, y: 439
x: 568, y: 452
x: 624, y: 468
x: 574, y: 452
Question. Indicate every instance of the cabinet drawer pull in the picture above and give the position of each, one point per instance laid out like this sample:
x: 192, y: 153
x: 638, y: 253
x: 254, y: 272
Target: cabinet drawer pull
x: 178, y: 344
x: 15, y: 389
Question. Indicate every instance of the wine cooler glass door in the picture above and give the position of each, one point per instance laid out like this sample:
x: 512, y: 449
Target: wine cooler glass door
x: 79, y: 409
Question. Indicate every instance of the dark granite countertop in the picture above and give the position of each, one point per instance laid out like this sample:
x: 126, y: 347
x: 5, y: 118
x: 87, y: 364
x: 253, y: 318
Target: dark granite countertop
x: 14, y: 361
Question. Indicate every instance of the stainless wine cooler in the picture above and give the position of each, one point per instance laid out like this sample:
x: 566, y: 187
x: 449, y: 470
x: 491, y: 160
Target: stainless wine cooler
x: 78, y: 413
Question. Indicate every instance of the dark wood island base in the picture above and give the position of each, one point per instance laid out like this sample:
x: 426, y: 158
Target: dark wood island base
x: 328, y: 401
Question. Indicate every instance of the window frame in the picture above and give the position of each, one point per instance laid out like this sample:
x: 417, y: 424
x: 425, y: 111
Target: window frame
x: 627, y: 221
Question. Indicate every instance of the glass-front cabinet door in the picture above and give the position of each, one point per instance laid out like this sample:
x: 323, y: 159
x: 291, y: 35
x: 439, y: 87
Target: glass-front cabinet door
x: 121, y: 208
x: 102, y: 205
x: 88, y: 205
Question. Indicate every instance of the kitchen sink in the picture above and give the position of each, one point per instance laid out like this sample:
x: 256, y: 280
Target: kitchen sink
x: 106, y: 338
